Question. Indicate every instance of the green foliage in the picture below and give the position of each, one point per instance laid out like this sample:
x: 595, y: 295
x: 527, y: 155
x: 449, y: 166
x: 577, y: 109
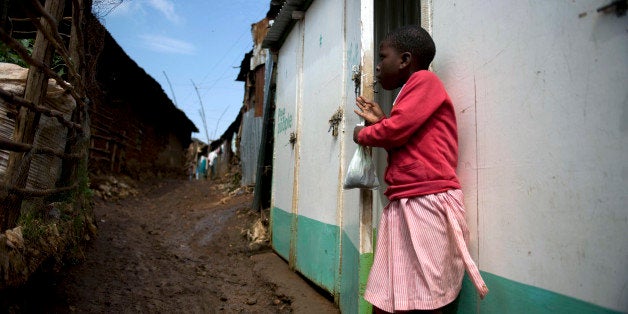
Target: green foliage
x: 8, y: 55
x: 58, y: 66
x: 32, y: 226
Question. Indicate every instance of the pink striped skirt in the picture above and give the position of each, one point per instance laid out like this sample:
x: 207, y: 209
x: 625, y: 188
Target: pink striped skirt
x: 421, y: 254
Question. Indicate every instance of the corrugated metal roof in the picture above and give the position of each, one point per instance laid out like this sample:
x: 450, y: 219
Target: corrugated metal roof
x: 284, y: 22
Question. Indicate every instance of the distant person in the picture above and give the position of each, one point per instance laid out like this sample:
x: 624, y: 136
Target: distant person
x: 201, y: 167
x: 191, y: 158
x: 421, y: 254
x: 213, y: 155
x: 191, y: 168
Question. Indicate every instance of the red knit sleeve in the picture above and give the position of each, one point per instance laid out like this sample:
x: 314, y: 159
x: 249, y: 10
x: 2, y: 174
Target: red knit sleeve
x: 420, y: 97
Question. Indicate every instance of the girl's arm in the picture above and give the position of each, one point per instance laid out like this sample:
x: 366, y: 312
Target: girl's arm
x: 422, y: 95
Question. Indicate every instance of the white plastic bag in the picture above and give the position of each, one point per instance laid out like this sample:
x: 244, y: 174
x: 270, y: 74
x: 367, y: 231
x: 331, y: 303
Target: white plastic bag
x: 361, y: 172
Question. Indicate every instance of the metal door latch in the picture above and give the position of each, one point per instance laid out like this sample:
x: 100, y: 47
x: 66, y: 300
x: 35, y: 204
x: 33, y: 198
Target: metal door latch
x: 293, y: 138
x: 356, y: 77
x: 334, y: 121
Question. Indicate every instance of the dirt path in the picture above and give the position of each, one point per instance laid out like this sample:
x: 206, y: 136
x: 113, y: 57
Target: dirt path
x: 176, y: 247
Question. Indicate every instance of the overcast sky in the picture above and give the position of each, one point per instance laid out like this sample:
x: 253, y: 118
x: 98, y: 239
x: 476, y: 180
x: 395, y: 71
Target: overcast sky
x: 200, y: 41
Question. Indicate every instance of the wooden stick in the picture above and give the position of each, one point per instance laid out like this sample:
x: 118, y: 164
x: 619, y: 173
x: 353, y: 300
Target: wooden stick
x: 21, y: 147
x: 24, y: 192
x: 26, y: 122
x: 52, y: 34
x: 19, y: 101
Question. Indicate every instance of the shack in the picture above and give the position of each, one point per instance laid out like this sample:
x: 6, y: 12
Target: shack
x: 539, y: 92
x: 256, y: 73
x: 136, y: 128
x: 255, y: 137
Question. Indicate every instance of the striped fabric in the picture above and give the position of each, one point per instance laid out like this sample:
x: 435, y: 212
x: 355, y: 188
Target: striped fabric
x: 421, y: 254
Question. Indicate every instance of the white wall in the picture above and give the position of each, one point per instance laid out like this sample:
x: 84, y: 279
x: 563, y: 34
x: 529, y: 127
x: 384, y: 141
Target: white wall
x: 322, y: 96
x: 358, y: 52
x: 540, y: 89
x: 286, y: 116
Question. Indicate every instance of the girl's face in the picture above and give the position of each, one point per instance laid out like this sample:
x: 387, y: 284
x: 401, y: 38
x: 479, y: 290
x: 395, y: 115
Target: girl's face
x: 388, y: 69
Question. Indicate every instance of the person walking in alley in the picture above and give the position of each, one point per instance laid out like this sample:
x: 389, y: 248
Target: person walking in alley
x: 421, y: 252
x: 202, y: 165
x: 213, y: 155
x: 191, y: 159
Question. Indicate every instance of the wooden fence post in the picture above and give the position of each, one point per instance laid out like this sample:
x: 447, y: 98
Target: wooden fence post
x: 76, y: 139
x: 27, y: 121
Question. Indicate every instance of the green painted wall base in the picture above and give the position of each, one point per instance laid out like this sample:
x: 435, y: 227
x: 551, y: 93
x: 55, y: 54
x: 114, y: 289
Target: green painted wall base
x: 366, y: 261
x: 320, y: 252
x: 507, y: 296
x: 317, y: 252
x: 349, y: 281
x: 280, y: 226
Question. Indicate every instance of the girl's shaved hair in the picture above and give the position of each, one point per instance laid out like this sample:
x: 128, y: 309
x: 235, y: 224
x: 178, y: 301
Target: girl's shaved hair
x: 415, y: 40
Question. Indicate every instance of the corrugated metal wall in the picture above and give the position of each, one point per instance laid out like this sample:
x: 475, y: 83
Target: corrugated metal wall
x: 249, y: 145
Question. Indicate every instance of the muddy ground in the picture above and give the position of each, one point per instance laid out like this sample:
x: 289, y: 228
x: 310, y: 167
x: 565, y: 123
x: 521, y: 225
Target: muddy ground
x: 177, y: 246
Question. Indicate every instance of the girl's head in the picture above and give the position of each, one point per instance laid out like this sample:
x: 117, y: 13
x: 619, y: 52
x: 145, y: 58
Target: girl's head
x: 402, y: 52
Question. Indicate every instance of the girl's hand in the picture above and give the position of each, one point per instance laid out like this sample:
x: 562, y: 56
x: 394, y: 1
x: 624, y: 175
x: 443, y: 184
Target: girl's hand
x: 369, y: 110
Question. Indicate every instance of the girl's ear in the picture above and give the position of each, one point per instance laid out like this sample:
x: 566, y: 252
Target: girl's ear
x: 406, y: 59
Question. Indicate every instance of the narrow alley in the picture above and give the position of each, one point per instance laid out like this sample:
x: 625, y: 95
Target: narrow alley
x: 175, y: 246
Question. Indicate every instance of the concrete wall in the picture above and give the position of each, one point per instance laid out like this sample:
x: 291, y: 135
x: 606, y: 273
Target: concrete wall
x: 315, y: 224
x: 540, y: 93
x: 539, y: 90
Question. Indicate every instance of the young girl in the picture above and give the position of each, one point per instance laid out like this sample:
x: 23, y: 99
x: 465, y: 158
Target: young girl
x: 421, y: 251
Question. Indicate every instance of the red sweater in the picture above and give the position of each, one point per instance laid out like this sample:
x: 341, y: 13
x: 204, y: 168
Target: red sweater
x: 420, y: 137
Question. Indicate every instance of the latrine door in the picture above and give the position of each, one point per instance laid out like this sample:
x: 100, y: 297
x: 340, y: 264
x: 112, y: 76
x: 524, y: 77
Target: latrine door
x: 389, y: 15
x: 286, y: 146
